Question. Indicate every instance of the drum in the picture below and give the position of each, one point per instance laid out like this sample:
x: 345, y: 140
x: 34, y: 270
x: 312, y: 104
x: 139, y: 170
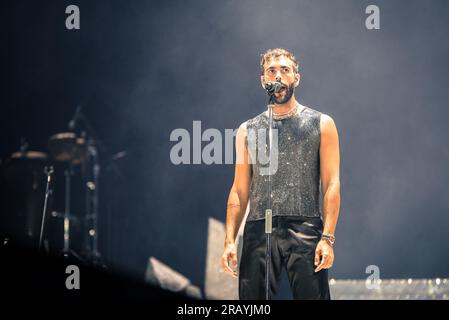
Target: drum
x: 67, y: 147
x: 24, y: 188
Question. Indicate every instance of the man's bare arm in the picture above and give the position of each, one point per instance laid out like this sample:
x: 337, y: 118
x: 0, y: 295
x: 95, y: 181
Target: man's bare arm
x: 239, y: 194
x: 330, y: 179
x: 234, y: 216
x: 330, y: 173
x: 237, y: 200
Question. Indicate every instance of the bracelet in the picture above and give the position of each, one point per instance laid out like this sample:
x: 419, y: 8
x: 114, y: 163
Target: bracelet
x: 329, y: 238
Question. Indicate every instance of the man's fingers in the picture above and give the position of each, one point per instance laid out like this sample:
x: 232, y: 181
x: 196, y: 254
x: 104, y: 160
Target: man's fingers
x: 317, y: 257
x: 235, y: 263
x: 225, y: 263
x: 323, y: 262
x: 234, y: 258
x: 227, y: 268
x: 320, y: 266
x: 326, y: 262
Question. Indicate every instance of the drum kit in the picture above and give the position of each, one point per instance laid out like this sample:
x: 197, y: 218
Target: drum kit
x: 29, y: 181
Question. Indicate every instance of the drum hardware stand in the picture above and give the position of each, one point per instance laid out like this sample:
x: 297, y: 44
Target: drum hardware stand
x: 66, y: 251
x: 48, y: 171
x: 92, y: 202
x: 93, y: 167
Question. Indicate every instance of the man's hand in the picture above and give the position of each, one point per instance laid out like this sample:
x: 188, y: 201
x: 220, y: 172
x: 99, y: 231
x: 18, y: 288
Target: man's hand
x: 230, y: 253
x: 324, y: 255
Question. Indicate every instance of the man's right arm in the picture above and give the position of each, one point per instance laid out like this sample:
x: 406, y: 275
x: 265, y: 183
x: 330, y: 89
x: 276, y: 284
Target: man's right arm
x: 237, y: 200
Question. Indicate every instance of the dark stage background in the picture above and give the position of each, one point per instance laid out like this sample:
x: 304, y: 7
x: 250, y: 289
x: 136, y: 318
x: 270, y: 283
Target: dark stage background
x: 141, y: 69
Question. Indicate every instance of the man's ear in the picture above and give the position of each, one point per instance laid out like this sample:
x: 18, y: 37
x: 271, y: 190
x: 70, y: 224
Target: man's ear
x: 297, y: 79
x: 262, y: 81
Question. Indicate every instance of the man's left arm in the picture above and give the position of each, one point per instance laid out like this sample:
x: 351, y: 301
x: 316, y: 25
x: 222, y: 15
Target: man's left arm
x: 330, y: 179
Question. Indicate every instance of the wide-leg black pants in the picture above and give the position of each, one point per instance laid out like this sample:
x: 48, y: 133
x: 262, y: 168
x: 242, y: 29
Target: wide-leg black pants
x: 293, y: 241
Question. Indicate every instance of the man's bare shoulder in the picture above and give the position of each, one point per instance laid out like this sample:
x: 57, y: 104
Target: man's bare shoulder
x: 326, y: 119
x: 256, y: 118
x: 327, y: 124
x: 244, y: 125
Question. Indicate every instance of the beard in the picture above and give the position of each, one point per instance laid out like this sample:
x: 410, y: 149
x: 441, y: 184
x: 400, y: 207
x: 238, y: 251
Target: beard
x: 288, y: 93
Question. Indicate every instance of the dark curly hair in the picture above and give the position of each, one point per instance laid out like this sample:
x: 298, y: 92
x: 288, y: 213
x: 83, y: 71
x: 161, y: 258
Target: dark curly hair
x: 274, y: 53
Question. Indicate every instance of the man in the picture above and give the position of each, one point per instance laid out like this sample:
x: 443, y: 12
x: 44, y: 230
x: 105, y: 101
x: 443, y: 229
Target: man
x: 308, y: 160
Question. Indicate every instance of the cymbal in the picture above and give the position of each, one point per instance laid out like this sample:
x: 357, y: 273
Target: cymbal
x: 21, y: 164
x: 31, y: 155
x: 26, y: 160
x: 67, y: 147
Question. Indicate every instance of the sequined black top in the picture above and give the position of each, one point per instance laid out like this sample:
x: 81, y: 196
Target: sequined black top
x: 296, y: 181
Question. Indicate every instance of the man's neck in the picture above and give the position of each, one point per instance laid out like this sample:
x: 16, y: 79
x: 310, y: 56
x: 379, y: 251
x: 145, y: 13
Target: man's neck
x: 285, y: 107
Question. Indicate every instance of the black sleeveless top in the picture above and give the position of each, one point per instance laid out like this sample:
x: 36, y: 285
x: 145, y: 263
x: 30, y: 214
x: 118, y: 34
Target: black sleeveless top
x: 295, y: 175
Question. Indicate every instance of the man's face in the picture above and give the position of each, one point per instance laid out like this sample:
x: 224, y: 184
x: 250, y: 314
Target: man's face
x: 281, y: 69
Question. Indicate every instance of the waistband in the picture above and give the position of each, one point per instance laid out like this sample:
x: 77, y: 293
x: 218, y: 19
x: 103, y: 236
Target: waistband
x: 278, y: 221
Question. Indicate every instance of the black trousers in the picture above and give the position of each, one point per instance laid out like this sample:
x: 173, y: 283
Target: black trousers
x: 293, y: 243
